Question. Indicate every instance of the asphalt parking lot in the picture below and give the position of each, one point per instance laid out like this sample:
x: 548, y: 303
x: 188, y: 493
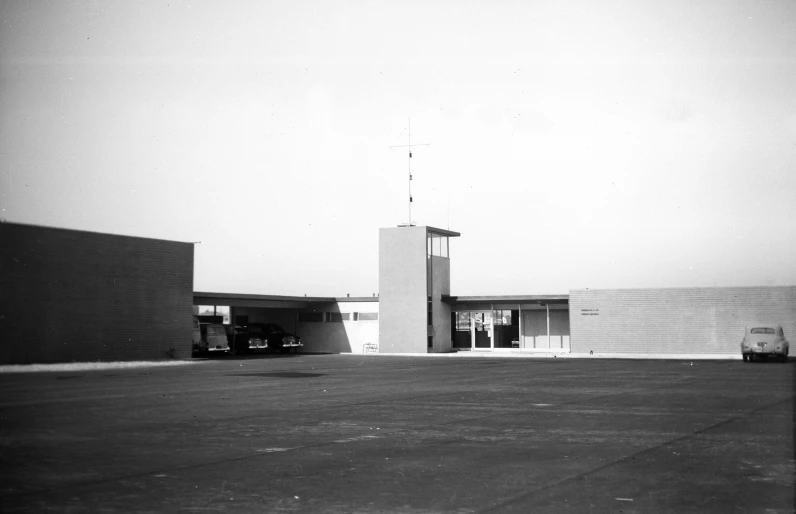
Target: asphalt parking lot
x: 371, y: 434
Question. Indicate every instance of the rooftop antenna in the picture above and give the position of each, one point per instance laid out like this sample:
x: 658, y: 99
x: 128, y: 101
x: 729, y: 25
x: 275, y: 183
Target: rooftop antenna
x: 410, y: 223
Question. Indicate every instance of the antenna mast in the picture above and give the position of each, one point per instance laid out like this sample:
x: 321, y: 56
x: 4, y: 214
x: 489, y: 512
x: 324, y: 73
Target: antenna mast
x: 410, y: 223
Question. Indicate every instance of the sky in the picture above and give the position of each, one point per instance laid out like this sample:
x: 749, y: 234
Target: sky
x: 584, y: 144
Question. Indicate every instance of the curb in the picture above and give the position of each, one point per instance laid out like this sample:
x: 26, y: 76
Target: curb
x: 517, y: 355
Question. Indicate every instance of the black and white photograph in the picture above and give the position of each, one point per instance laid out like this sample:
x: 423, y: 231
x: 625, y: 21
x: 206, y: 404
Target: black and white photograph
x: 397, y: 257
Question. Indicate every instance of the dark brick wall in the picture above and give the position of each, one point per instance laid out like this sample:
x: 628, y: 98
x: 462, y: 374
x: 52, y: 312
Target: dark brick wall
x: 72, y: 296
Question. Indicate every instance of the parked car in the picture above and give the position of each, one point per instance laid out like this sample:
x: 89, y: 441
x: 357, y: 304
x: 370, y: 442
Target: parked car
x: 764, y: 340
x: 261, y: 336
x: 197, y: 335
x: 278, y: 339
x: 213, y: 338
x: 245, y: 339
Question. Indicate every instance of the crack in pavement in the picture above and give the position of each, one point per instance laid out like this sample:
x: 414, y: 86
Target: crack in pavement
x: 532, y: 492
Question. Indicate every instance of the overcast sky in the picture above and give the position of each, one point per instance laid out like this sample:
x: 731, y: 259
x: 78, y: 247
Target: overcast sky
x: 596, y: 144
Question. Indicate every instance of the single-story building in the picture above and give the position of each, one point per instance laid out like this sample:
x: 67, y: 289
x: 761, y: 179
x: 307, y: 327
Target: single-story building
x: 415, y: 306
x: 68, y: 295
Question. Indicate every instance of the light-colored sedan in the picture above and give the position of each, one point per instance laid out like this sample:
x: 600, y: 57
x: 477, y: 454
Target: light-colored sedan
x: 214, y: 338
x: 764, y: 340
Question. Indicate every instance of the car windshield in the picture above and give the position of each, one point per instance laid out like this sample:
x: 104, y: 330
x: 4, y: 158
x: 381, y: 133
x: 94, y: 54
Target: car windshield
x: 761, y: 330
x: 255, y: 330
x: 271, y: 328
x: 216, y: 331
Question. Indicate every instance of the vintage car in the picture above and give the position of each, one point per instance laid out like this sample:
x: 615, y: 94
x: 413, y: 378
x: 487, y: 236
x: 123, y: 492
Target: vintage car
x: 764, y: 340
x: 262, y: 336
x: 278, y: 339
x: 213, y: 338
x: 246, y: 339
x: 197, y: 335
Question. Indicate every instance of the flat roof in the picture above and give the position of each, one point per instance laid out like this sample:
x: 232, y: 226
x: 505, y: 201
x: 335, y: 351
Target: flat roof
x: 277, y: 301
x: 442, y: 231
x: 269, y: 300
x: 245, y: 296
x: 529, y: 298
x: 15, y: 224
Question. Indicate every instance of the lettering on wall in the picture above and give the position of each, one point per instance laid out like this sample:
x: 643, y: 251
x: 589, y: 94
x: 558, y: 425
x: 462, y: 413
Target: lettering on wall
x: 590, y: 312
x: 370, y: 348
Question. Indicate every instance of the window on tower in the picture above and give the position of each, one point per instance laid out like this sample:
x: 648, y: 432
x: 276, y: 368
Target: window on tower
x: 437, y: 245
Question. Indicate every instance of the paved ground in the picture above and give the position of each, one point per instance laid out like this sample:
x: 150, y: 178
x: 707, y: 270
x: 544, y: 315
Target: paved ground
x: 339, y: 434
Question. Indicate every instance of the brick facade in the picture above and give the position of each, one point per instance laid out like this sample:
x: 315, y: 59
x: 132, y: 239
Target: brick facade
x: 68, y: 296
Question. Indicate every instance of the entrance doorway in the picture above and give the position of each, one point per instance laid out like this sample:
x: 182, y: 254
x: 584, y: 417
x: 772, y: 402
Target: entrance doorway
x: 505, y: 327
x: 472, y: 330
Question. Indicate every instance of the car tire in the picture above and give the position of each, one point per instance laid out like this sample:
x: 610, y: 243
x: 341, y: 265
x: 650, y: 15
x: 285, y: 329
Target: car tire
x: 744, y: 357
x: 284, y: 350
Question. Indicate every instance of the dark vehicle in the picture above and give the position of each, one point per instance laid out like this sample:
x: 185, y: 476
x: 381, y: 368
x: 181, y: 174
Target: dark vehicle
x: 764, y: 340
x: 277, y: 339
x: 239, y: 340
x: 262, y: 336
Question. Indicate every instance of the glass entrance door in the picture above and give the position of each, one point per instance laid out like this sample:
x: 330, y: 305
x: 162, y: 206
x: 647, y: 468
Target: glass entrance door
x: 473, y: 330
x: 481, y: 330
x: 462, y: 340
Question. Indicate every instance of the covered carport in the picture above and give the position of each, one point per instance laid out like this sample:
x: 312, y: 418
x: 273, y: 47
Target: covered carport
x: 324, y: 324
x: 238, y: 310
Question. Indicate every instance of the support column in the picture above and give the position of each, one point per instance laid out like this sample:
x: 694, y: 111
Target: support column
x: 522, y: 339
x: 548, y: 325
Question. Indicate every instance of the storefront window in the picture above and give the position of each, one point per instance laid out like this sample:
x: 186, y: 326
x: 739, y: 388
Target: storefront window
x: 463, y: 321
x: 507, y: 330
x: 503, y: 317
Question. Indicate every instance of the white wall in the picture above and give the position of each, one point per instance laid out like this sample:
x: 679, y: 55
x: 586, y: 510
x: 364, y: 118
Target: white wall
x: 403, y: 290
x: 341, y: 337
x: 681, y: 320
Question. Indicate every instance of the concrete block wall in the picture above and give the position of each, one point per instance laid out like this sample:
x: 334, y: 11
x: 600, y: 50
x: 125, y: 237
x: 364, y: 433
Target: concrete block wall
x: 68, y: 295
x: 343, y: 336
x: 440, y: 284
x: 678, y: 320
x: 403, y: 290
